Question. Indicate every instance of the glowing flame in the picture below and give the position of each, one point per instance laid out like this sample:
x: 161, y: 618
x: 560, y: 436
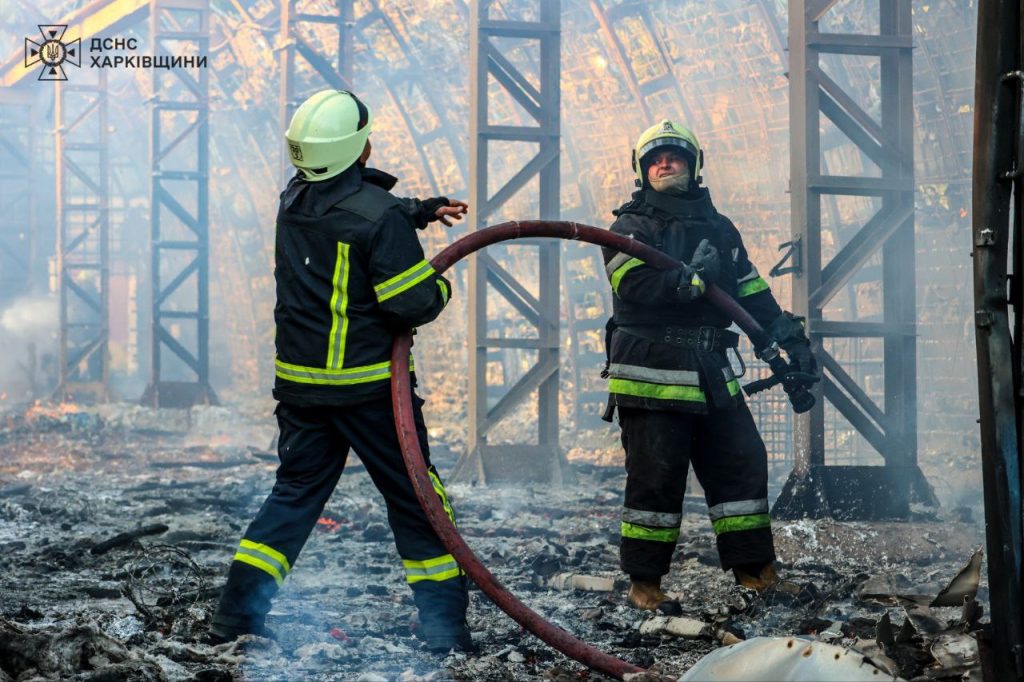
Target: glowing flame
x: 328, y: 525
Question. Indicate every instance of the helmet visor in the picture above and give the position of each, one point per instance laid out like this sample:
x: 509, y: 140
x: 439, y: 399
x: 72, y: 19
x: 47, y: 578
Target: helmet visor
x: 686, y: 146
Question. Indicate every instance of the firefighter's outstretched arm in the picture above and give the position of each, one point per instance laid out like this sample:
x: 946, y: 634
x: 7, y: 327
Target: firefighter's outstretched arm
x: 408, y: 290
x: 443, y: 209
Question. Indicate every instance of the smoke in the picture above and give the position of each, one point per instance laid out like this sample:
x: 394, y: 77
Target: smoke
x: 28, y: 335
x: 31, y: 318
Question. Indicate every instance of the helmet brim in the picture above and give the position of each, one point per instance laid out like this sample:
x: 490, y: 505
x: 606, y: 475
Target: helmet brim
x: 660, y: 142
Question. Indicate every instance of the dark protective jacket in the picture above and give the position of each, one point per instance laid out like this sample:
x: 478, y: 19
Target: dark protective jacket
x: 350, y: 276
x: 649, y: 374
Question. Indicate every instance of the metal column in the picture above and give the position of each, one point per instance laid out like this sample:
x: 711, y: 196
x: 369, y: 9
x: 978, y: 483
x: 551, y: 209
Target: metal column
x: 300, y: 79
x: 20, y: 273
x: 179, y: 206
x: 485, y: 461
x: 815, y: 488
x: 83, y: 224
x: 997, y: 187
x: 16, y: 191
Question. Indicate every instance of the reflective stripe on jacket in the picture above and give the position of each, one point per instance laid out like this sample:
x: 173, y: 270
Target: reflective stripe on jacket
x: 350, y: 275
x: 656, y: 376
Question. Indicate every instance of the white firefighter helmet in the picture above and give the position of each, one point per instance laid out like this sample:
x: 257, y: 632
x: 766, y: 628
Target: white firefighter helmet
x: 327, y: 134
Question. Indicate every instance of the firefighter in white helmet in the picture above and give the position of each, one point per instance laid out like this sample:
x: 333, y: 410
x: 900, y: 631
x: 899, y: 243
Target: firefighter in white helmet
x: 351, y: 275
x: 678, y: 399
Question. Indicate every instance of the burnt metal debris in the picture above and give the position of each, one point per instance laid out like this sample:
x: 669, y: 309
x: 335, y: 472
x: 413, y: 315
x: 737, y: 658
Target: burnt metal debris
x: 348, y: 613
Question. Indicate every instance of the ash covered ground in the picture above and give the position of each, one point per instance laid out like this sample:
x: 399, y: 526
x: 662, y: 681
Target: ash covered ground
x: 117, y: 524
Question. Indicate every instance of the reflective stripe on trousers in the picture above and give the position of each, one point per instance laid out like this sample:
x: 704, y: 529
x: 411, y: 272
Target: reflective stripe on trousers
x: 729, y: 517
x: 639, y: 532
x: 263, y: 557
x: 436, y: 569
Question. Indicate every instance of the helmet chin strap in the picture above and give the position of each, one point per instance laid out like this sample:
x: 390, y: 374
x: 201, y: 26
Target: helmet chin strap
x: 673, y: 184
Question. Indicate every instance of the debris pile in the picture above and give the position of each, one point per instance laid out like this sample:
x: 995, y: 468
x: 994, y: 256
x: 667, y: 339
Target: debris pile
x: 116, y: 530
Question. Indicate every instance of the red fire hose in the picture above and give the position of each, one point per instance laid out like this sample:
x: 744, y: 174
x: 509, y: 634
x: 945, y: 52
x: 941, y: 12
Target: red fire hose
x: 401, y: 398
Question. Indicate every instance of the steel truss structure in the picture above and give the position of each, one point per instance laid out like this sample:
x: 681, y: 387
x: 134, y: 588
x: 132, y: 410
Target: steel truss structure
x: 179, y: 208
x: 406, y: 82
x: 83, y: 230
x: 19, y: 271
x: 589, y: 305
x: 539, y: 97
x: 658, y: 91
x: 17, y: 236
x: 815, y: 488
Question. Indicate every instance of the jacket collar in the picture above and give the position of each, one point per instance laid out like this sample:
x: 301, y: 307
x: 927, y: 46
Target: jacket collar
x: 316, y: 198
x: 378, y: 177
x: 695, y: 204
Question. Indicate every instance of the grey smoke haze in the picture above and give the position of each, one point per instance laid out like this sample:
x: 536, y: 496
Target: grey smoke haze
x: 29, y: 325
x: 30, y: 319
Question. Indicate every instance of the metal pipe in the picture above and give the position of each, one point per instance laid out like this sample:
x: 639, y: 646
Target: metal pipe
x: 401, y: 398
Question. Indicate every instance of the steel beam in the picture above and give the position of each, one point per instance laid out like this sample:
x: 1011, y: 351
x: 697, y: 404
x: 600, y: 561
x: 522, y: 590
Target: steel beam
x: 997, y: 187
x: 179, y: 209
x: 408, y: 85
x: 82, y: 173
x: 891, y: 430
x: 538, y: 456
x: 655, y: 87
x: 299, y: 58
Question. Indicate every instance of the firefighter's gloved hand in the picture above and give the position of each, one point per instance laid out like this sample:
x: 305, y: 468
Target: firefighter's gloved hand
x: 443, y: 208
x: 788, y: 330
x: 706, y: 262
x: 802, y: 356
x: 427, y: 212
x: 690, y: 285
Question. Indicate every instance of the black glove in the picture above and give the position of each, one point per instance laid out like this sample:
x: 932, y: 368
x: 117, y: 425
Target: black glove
x: 788, y: 331
x: 427, y: 212
x: 802, y: 356
x: 706, y: 261
x: 703, y: 269
x: 690, y: 285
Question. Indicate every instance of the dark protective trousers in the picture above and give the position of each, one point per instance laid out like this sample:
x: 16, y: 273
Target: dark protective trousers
x: 730, y: 461
x: 312, y: 447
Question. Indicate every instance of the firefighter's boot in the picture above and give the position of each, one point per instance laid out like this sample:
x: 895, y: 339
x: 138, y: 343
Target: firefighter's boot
x: 442, y: 614
x: 763, y: 579
x: 647, y: 595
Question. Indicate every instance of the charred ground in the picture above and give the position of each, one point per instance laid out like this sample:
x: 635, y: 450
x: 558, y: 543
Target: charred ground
x: 117, y: 525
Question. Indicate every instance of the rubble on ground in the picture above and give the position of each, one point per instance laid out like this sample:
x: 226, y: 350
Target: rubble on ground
x: 117, y: 526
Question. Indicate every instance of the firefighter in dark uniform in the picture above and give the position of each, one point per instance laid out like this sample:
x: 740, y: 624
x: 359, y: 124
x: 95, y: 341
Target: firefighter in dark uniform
x: 351, y: 275
x: 678, y: 399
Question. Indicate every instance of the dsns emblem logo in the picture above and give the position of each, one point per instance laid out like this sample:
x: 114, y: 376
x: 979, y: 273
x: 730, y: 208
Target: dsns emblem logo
x: 52, y: 52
